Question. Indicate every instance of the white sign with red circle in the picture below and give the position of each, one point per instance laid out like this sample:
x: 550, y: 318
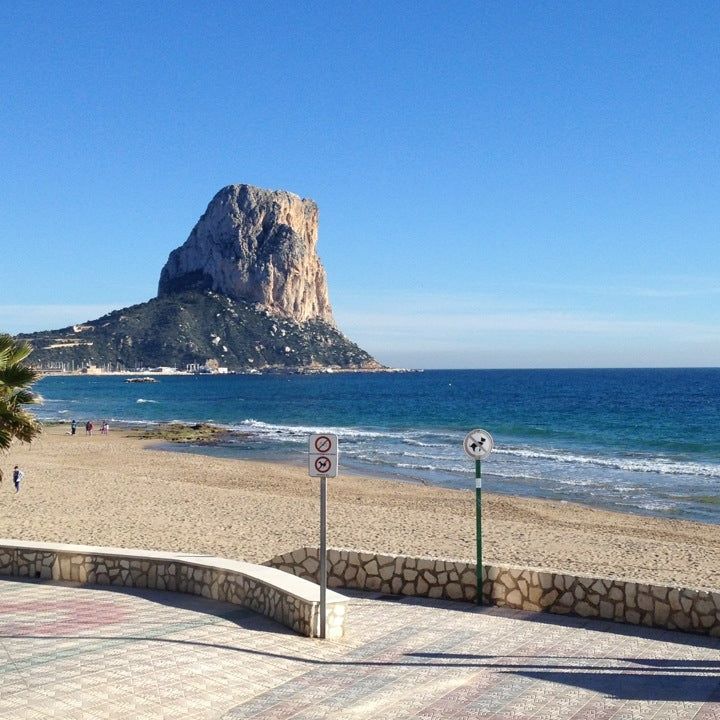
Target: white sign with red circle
x: 323, y: 455
x: 323, y: 444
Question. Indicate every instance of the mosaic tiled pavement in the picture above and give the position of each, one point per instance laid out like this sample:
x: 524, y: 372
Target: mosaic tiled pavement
x: 78, y: 652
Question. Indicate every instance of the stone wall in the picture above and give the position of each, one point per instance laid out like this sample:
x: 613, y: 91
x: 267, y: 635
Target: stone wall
x: 295, y: 606
x: 533, y: 589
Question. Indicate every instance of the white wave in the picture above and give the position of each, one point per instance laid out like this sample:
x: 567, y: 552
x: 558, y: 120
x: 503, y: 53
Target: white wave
x: 661, y: 466
x: 296, y: 431
x: 143, y: 400
x: 574, y: 482
x: 436, y: 468
x: 424, y: 456
x: 508, y: 476
x: 419, y: 443
x: 652, y: 506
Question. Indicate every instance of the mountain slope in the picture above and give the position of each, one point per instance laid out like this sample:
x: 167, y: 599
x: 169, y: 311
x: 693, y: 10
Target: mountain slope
x: 192, y: 327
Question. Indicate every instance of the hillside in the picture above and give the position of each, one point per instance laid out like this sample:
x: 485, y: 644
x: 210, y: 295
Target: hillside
x: 192, y: 327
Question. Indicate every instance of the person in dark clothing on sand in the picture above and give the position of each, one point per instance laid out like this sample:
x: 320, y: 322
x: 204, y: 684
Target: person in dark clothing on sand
x: 73, y: 427
x: 18, y: 475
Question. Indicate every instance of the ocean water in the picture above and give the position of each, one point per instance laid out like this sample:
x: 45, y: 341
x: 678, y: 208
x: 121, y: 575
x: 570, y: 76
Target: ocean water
x: 642, y: 441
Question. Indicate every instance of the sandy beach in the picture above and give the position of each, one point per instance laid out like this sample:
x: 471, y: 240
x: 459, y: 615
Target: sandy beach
x: 119, y: 490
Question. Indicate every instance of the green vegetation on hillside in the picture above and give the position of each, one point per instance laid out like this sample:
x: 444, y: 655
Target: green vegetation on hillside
x: 192, y: 327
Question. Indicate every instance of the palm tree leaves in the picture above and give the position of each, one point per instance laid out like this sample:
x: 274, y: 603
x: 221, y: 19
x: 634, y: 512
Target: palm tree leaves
x: 16, y: 423
x: 13, y: 352
x: 16, y: 376
x: 19, y: 425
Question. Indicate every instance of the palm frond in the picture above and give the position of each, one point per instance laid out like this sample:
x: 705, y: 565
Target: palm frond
x: 15, y: 350
x: 17, y: 376
x: 27, y: 397
x: 16, y: 423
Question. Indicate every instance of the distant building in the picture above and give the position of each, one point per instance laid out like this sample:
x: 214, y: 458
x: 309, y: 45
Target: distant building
x: 211, y: 367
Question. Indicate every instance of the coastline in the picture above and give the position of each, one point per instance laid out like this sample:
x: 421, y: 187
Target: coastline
x: 218, y: 440
x: 265, y: 370
x: 588, y: 446
x: 113, y: 491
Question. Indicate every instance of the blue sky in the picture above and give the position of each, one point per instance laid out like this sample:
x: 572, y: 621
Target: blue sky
x: 500, y: 184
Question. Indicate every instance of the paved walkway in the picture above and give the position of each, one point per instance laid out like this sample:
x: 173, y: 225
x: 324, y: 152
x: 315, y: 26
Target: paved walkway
x: 77, y: 652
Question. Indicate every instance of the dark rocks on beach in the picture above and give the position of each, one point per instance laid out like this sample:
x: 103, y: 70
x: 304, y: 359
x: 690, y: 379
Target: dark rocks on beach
x: 197, y: 434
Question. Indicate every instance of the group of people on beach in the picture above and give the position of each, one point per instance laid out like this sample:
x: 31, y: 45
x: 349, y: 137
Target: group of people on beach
x: 89, y: 427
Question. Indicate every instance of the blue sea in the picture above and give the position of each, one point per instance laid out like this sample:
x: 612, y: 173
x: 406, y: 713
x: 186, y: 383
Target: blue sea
x: 641, y: 441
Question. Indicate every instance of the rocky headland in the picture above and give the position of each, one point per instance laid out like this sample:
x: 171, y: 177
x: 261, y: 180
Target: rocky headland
x: 246, y: 291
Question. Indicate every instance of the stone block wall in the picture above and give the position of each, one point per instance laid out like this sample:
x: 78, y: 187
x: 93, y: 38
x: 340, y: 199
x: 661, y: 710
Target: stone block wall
x: 532, y: 589
x: 170, y: 572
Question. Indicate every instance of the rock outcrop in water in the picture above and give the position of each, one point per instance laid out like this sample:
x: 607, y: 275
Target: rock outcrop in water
x: 246, y: 290
x: 258, y: 246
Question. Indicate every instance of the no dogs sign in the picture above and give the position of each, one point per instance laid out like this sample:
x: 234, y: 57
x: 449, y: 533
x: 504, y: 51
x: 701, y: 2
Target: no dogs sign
x: 323, y: 455
x: 478, y: 444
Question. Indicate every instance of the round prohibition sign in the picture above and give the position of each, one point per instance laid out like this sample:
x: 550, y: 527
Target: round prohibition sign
x: 323, y: 444
x: 322, y: 464
x: 478, y: 444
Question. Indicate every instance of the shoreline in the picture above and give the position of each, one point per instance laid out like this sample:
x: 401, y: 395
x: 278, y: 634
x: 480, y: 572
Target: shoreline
x: 109, y: 490
x: 201, y: 437
x: 267, y: 370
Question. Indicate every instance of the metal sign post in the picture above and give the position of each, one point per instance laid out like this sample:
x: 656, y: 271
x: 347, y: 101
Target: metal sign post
x: 478, y: 531
x: 323, y: 554
x: 323, y: 463
x: 478, y: 444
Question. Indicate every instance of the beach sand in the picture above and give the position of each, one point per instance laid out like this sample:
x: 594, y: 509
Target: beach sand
x: 117, y: 490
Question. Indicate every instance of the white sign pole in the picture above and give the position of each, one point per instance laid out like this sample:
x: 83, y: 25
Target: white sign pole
x: 323, y: 463
x: 323, y: 554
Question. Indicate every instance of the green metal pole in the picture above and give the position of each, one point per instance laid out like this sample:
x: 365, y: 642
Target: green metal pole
x: 478, y: 531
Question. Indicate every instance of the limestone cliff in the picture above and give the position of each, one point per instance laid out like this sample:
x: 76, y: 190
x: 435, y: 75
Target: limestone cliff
x: 257, y: 246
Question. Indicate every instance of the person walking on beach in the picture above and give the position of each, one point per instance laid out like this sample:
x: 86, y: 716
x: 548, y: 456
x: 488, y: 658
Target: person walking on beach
x: 88, y: 427
x: 105, y: 427
x: 18, y: 475
x: 73, y: 427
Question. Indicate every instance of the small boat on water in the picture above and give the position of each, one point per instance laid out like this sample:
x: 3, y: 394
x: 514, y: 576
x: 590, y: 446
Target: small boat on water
x: 142, y: 380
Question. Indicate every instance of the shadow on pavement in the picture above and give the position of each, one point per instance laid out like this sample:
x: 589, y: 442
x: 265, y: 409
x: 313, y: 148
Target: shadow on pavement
x: 684, y: 681
x: 545, y: 618
x: 621, y: 677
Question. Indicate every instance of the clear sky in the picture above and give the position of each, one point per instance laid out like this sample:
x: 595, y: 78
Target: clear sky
x: 500, y: 184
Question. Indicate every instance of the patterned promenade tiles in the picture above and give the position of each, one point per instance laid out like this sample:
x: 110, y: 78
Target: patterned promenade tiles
x: 90, y: 653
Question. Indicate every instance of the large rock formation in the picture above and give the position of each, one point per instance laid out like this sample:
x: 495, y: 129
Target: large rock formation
x: 258, y: 246
x: 246, y: 290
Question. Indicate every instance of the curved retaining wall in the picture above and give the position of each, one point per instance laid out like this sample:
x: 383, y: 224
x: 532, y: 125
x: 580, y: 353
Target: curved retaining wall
x: 534, y: 589
x: 295, y: 604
